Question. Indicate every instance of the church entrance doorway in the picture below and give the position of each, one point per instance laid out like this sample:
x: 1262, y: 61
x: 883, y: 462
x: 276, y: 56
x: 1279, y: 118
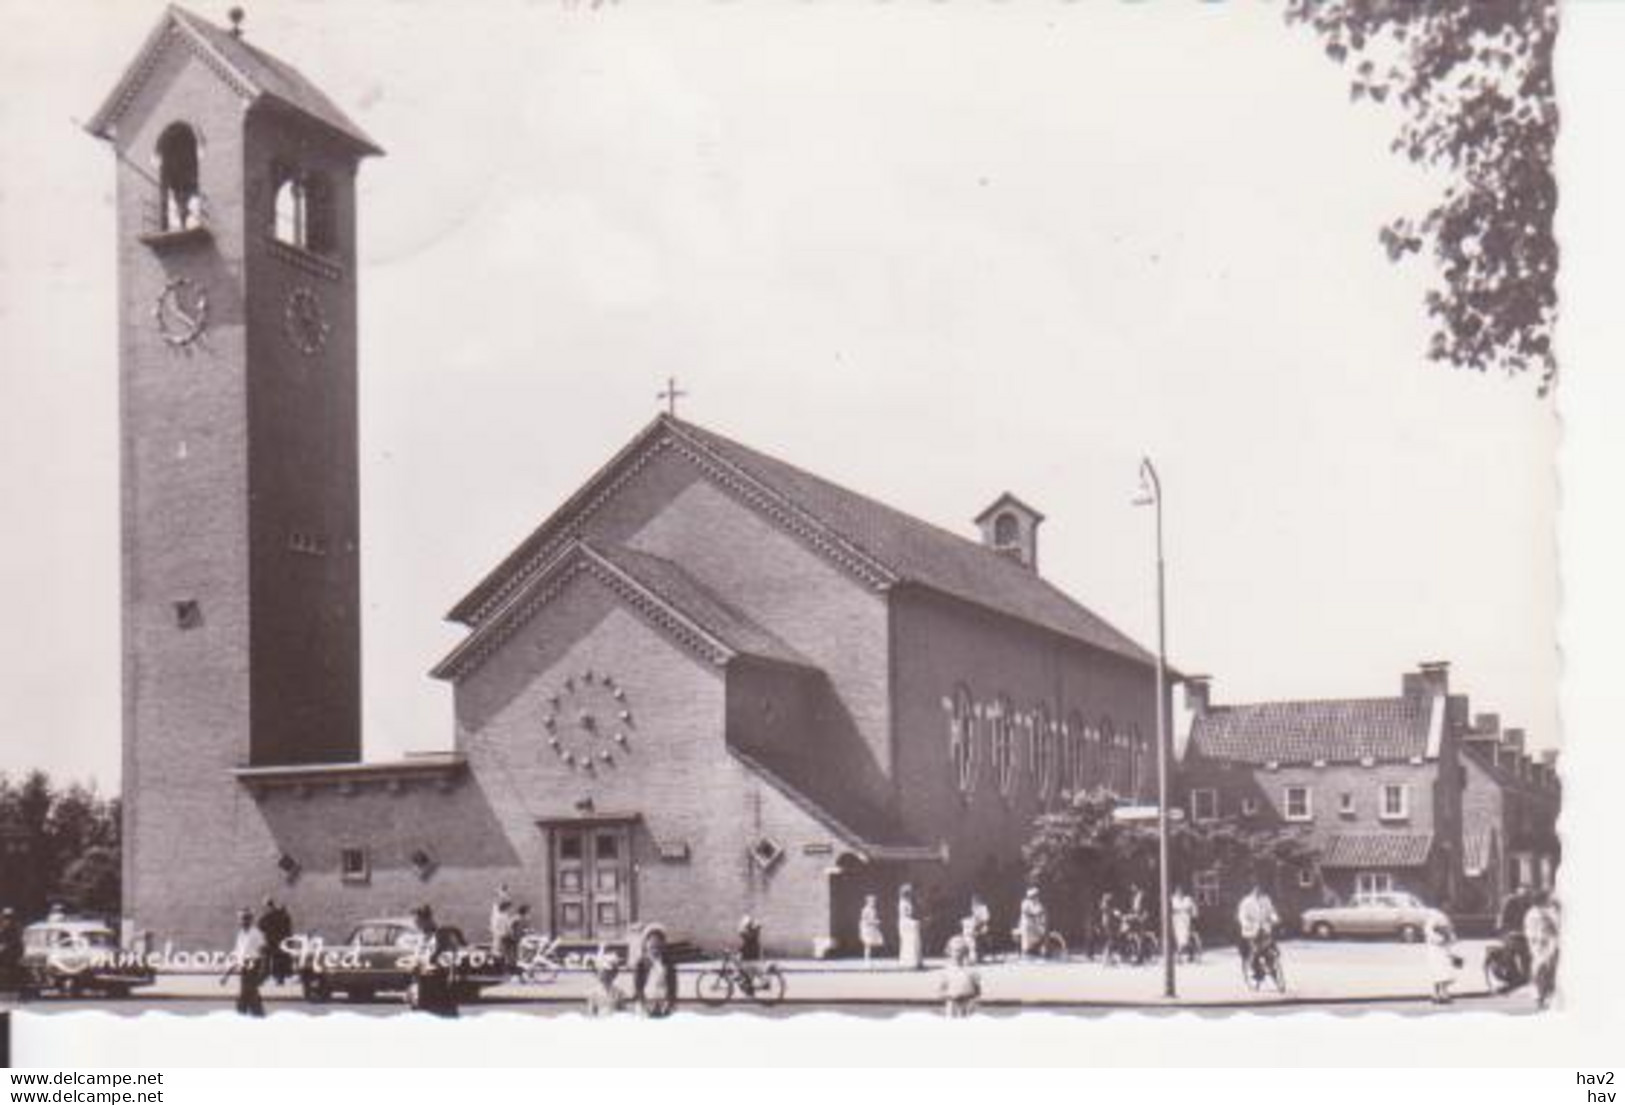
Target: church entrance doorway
x: 592, y: 881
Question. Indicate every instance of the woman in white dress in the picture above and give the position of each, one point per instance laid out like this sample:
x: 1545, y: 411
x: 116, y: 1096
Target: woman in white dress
x: 1182, y: 914
x: 869, y: 931
x: 909, y: 952
x: 1441, y: 955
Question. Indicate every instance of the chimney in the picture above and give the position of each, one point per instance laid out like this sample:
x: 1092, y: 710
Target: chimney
x: 1432, y: 678
x: 1435, y: 676
x: 1197, y: 691
x: 1487, y: 725
x: 1010, y: 527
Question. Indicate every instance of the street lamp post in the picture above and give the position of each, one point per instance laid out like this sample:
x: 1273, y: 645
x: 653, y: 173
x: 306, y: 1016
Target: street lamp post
x: 1150, y: 494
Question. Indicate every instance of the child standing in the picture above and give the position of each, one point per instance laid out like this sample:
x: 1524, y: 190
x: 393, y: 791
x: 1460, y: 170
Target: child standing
x: 961, y: 983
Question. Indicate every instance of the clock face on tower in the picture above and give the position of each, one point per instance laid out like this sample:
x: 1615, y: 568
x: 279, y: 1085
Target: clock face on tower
x: 587, y: 723
x: 304, y: 321
x: 182, y: 312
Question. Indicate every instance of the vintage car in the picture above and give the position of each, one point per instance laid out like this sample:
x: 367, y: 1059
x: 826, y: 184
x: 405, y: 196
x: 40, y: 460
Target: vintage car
x: 381, y: 956
x: 72, y: 957
x: 1391, y: 914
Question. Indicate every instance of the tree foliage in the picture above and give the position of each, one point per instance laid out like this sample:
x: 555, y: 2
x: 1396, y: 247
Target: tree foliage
x: 1473, y: 81
x: 1080, y: 851
x: 58, y: 844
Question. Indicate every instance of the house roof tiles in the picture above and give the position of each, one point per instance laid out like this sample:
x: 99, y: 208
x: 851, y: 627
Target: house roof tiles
x: 1333, y: 730
x: 1376, y: 850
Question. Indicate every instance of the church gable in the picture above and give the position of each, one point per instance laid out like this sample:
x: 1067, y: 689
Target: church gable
x: 658, y: 591
x: 662, y: 441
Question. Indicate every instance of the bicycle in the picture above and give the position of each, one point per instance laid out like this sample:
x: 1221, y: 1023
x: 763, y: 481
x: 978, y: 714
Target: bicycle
x: 1261, y: 962
x: 1051, y: 946
x: 762, y: 984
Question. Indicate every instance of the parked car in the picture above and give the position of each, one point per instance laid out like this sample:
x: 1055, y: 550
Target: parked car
x: 79, y: 956
x: 1394, y: 914
x: 379, y: 957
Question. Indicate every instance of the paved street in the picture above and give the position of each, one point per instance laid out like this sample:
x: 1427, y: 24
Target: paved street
x: 1346, y: 976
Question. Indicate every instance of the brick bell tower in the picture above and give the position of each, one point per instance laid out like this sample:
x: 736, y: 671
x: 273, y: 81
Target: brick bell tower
x: 237, y: 374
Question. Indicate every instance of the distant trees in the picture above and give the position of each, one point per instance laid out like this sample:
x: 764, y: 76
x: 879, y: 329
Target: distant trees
x: 58, y: 844
x: 1474, y: 80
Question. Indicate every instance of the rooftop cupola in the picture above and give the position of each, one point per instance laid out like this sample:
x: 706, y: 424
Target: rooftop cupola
x: 1010, y: 527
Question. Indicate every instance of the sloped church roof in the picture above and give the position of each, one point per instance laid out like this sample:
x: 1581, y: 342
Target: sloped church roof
x: 253, y: 73
x: 877, y: 543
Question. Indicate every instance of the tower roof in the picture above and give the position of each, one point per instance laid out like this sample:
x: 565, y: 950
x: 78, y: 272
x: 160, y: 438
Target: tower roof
x: 251, y: 72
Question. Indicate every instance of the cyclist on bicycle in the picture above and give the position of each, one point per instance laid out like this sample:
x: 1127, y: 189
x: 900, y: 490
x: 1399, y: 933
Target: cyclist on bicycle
x: 1256, y: 918
x: 750, y: 942
x: 1034, y: 924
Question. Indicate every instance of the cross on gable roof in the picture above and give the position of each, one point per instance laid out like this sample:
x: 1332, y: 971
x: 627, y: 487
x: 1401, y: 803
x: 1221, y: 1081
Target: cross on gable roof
x: 878, y: 544
x: 254, y: 74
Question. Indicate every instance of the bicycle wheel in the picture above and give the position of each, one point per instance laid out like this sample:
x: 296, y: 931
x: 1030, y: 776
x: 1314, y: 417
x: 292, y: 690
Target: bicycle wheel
x: 1278, y: 973
x: 714, y: 987
x: 768, y: 986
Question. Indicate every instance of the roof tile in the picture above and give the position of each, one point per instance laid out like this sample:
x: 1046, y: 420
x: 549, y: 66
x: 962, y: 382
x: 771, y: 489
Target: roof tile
x: 1345, y: 850
x: 1334, y: 730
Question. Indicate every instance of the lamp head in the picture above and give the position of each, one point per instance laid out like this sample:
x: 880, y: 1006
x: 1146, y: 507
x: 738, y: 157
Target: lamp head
x: 1150, y: 489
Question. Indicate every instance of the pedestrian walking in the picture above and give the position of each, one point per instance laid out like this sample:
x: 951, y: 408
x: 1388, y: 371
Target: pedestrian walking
x: 1440, y: 951
x: 750, y: 939
x: 909, y: 951
x: 961, y: 985
x: 1182, y: 913
x: 1032, y: 925
x: 276, y: 925
x: 248, y: 964
x: 603, y: 997
x: 654, y: 977
x: 870, y: 934
x: 434, y: 966
x: 11, y: 952
x: 983, y: 917
x: 1543, y: 929
x: 503, y: 944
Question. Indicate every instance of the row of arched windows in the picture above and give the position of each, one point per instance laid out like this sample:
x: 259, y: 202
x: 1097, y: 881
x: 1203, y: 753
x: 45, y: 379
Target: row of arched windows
x: 302, y: 209
x: 1032, y: 747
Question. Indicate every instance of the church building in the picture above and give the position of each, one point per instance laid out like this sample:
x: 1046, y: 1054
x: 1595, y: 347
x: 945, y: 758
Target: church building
x: 709, y: 684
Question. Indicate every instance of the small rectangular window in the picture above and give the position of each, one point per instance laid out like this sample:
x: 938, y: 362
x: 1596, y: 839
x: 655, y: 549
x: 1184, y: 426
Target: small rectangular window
x: 1395, y: 802
x: 1249, y: 806
x: 188, y: 614
x: 353, y: 867
x: 1206, y: 885
x: 1204, y: 804
x: 1345, y: 803
x: 1296, y: 804
x: 1306, y: 877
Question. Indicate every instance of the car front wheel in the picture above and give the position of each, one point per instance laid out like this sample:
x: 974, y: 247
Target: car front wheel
x: 314, y: 987
x: 1410, y: 933
x: 1321, y: 930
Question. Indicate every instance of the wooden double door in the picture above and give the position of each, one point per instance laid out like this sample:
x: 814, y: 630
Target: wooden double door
x: 592, y: 881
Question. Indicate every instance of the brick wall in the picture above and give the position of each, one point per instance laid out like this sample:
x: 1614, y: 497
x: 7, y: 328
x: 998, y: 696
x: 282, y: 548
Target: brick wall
x: 183, y: 502
x: 940, y: 644
x: 302, y: 461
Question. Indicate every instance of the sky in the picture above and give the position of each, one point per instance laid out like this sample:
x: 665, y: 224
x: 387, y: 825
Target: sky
x: 932, y: 251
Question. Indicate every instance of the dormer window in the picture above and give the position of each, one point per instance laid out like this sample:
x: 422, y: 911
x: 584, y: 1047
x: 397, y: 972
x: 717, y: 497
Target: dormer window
x: 302, y: 212
x: 180, y: 201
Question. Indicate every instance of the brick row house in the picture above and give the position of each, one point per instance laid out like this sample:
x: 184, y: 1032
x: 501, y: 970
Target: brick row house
x: 1397, y: 793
